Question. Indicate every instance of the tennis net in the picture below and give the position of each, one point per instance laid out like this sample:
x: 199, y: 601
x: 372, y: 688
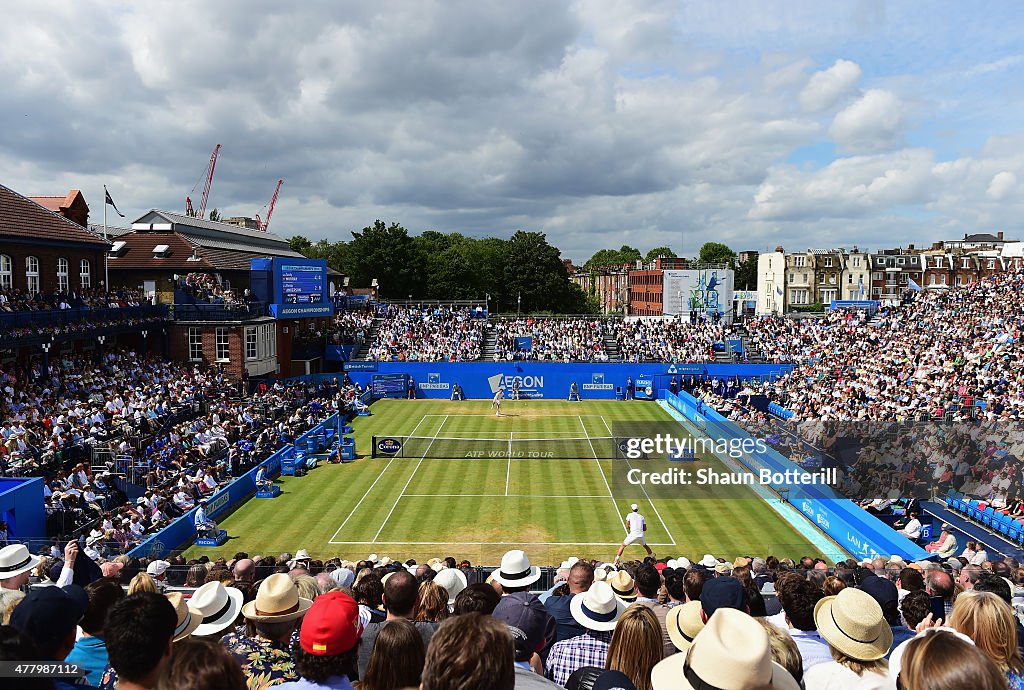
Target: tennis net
x: 602, y: 447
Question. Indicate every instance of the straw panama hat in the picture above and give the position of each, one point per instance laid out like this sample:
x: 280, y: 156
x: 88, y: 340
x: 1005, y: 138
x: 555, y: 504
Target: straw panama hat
x: 515, y: 570
x: 15, y: 560
x: 683, y: 623
x: 708, y: 561
x: 219, y: 606
x: 453, y: 580
x: 622, y: 585
x: 732, y: 651
x: 852, y: 622
x: 276, y: 600
x: 598, y: 608
x: 188, y: 618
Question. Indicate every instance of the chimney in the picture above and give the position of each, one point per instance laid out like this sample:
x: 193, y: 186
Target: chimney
x: 1000, y: 235
x: 910, y: 247
x: 780, y: 250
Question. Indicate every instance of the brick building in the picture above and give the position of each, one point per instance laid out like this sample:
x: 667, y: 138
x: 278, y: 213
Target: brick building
x: 647, y: 283
x: 44, y: 251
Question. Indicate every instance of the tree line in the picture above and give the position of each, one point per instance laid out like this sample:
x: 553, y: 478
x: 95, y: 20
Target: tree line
x: 524, y: 272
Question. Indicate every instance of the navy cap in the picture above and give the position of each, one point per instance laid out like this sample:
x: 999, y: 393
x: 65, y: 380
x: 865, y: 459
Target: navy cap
x: 49, y: 614
x: 881, y: 590
x: 613, y: 680
x: 724, y: 592
x: 527, y: 620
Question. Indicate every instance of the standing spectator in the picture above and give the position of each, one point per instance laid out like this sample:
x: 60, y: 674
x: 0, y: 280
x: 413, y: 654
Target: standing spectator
x: 16, y: 565
x: 266, y: 657
x: 581, y: 576
x: 139, y: 632
x: 798, y: 600
x: 990, y: 622
x: 90, y: 650
x: 49, y: 616
x: 328, y: 639
x: 852, y: 624
x: 200, y: 664
x: 470, y: 652
x: 597, y: 610
x: 397, y: 658
x: 400, y: 594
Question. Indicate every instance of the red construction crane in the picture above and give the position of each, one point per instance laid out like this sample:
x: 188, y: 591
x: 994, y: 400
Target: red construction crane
x: 262, y: 225
x: 189, y: 211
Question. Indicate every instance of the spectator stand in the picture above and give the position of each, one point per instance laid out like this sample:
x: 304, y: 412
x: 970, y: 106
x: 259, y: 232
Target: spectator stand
x: 974, y: 520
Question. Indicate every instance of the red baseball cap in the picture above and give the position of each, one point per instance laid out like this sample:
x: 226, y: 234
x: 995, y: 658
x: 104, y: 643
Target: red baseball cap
x: 331, y: 625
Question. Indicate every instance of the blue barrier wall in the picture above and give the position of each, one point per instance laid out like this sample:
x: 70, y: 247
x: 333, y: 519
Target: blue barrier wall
x: 546, y: 379
x: 853, y: 528
x: 21, y: 507
x: 182, y: 530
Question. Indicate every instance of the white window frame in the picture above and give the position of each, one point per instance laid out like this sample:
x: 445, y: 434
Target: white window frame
x: 32, y: 274
x: 798, y: 261
x: 85, y: 273
x: 251, y: 344
x: 63, y: 267
x: 828, y: 262
x: 222, y: 345
x: 6, y: 272
x: 195, y: 344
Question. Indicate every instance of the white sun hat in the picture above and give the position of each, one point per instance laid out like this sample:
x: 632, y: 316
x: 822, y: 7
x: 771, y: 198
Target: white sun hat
x: 515, y: 570
x: 598, y: 608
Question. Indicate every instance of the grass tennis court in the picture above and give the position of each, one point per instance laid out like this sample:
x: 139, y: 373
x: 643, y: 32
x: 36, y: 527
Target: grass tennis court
x: 423, y: 505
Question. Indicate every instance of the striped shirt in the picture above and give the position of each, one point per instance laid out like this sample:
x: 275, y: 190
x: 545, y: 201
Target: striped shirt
x: 588, y: 649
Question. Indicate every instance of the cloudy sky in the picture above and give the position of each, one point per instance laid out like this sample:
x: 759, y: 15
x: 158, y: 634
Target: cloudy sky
x: 800, y: 123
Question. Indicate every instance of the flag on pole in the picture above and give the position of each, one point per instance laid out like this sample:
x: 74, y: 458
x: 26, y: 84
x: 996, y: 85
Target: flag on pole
x: 860, y: 286
x: 912, y: 284
x: 111, y: 201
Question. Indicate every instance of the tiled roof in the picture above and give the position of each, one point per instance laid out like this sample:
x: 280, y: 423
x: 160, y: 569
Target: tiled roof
x: 56, y: 203
x: 241, y: 246
x: 138, y: 253
x: 214, y: 229
x: 23, y: 218
x: 112, y: 230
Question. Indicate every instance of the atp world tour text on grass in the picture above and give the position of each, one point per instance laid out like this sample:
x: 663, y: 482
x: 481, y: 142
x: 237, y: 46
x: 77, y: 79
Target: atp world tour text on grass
x: 669, y: 445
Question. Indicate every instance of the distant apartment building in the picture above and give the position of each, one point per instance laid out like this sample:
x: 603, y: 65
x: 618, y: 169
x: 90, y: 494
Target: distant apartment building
x: 811, y: 277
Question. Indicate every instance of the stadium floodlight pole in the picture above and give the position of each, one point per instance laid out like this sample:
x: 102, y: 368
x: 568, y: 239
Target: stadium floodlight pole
x: 106, y: 253
x: 519, y: 301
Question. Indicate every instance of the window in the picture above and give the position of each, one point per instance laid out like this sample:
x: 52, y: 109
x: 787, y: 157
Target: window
x: 6, y: 272
x: 965, y: 263
x: 828, y: 262
x: 261, y: 342
x: 195, y: 345
x: 32, y: 274
x: 223, y: 348
x: 799, y: 261
x: 250, y: 343
x: 901, y: 261
x: 805, y: 279
x: 856, y: 262
x: 991, y: 264
x: 832, y: 279
x: 85, y: 273
x: 62, y: 274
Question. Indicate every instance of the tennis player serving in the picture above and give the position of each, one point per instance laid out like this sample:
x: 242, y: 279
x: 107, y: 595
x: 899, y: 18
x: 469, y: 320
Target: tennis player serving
x: 496, y: 403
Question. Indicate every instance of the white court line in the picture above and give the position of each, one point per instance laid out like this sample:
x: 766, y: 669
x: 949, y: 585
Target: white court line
x: 493, y: 543
x: 501, y: 496
x: 415, y: 469
x: 644, y: 488
x: 353, y: 512
x: 615, y: 507
x: 508, y: 472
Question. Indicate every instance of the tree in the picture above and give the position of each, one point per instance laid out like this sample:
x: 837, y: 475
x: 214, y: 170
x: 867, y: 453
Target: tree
x: 299, y: 244
x: 746, y: 275
x: 660, y: 251
x: 717, y: 253
x: 387, y: 253
x: 534, y: 271
x: 215, y: 215
x: 614, y: 257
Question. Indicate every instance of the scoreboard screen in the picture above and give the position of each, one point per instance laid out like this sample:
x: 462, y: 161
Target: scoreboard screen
x: 302, y: 284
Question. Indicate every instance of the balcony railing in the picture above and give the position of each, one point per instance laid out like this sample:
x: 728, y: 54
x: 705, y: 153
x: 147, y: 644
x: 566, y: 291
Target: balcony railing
x: 219, y: 312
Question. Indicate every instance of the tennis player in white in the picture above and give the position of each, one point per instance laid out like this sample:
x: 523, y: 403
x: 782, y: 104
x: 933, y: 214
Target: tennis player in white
x: 636, y: 528
x: 496, y: 403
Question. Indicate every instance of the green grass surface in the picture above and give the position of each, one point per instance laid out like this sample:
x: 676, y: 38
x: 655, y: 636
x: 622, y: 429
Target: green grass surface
x: 477, y: 508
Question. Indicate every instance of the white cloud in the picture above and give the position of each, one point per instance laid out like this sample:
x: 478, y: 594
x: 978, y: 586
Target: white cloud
x: 826, y: 88
x: 874, y: 122
x: 1001, y: 185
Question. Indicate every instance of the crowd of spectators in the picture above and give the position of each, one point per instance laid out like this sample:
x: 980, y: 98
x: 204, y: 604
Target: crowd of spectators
x: 18, y: 300
x: 669, y: 340
x: 294, y: 621
x: 351, y: 327
x: 428, y: 334
x: 211, y: 288
x: 551, y: 340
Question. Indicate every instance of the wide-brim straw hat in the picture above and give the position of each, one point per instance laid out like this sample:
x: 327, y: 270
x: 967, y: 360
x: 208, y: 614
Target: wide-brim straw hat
x: 277, y: 600
x: 188, y: 618
x: 852, y: 623
x: 218, y: 604
x: 598, y: 608
x: 515, y: 570
x: 683, y: 623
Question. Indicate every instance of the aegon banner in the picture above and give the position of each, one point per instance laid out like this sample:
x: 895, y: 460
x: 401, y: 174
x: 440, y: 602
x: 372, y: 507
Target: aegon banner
x: 551, y: 380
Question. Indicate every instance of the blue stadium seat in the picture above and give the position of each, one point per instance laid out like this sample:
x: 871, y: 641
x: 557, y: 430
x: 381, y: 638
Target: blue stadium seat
x: 987, y: 516
x: 972, y: 510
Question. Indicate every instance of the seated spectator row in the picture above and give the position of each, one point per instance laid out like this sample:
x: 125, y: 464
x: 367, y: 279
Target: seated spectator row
x: 428, y: 334
x: 553, y: 340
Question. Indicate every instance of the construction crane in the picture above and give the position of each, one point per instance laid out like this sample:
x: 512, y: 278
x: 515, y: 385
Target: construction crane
x: 191, y: 212
x: 262, y: 225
